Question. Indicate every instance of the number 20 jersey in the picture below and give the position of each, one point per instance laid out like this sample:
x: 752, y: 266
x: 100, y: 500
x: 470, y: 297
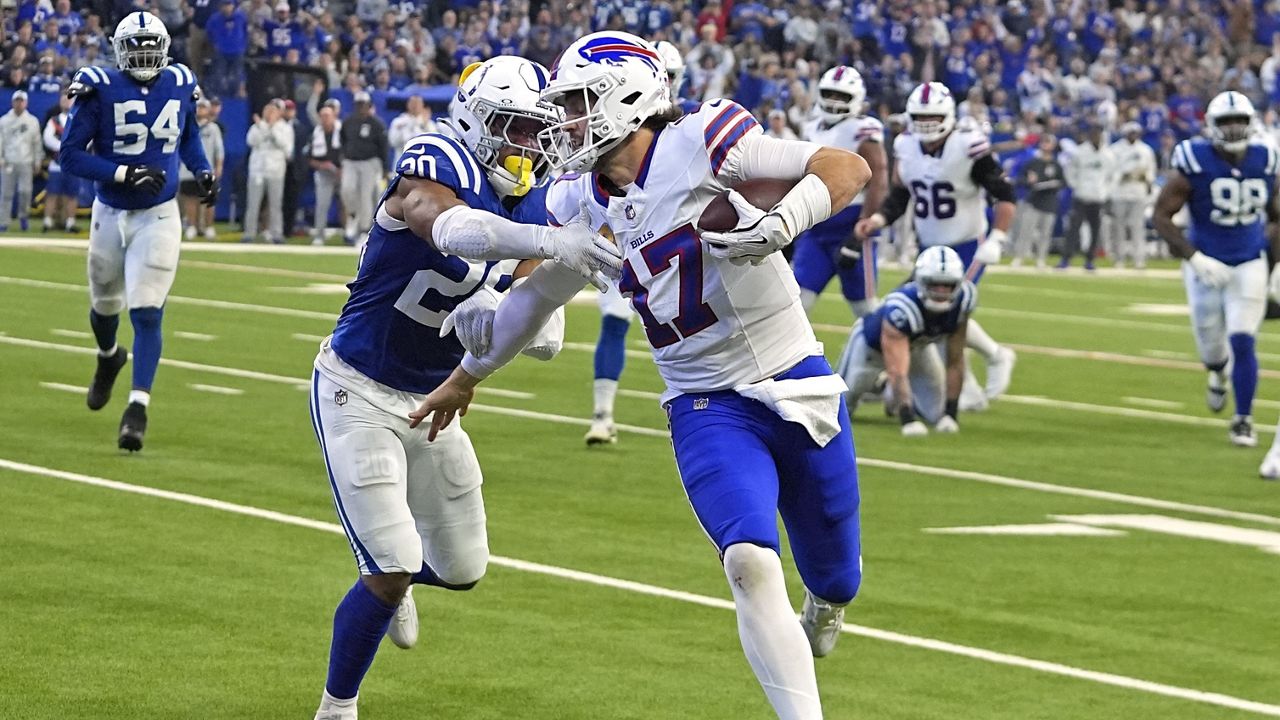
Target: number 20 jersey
x: 389, y: 329
x: 712, y: 324
x: 1228, y: 202
x: 948, y: 206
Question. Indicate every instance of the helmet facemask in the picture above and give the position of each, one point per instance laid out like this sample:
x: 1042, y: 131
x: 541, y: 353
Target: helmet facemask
x: 939, y: 292
x: 835, y: 105
x: 931, y: 128
x: 1231, y: 132
x: 142, y: 55
x: 585, y: 134
x: 519, y: 130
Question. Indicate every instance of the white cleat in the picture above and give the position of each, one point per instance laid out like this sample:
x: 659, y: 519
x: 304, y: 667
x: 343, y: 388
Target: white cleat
x: 601, y: 432
x: 1216, y: 393
x: 821, y: 622
x: 1242, y: 434
x: 1270, y: 467
x: 403, y: 630
x: 972, y: 397
x: 1000, y: 372
x: 334, y: 709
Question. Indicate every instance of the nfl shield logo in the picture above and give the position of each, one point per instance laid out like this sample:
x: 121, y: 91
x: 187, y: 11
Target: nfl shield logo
x: 630, y: 212
x: 701, y: 403
x: 340, y: 397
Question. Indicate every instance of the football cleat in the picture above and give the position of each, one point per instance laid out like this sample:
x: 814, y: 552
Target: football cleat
x: 133, y: 425
x: 104, y: 378
x: 331, y: 709
x: 1216, y: 394
x: 972, y: 397
x: 601, y: 432
x: 1242, y: 434
x: 821, y: 622
x: 403, y: 630
x: 1000, y: 372
x: 1270, y: 467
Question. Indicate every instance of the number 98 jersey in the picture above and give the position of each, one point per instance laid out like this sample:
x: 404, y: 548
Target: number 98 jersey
x: 126, y: 122
x: 389, y: 330
x: 948, y: 206
x: 1228, y: 202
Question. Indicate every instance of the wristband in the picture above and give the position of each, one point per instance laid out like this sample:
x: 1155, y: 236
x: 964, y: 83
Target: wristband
x: 952, y: 409
x: 906, y: 414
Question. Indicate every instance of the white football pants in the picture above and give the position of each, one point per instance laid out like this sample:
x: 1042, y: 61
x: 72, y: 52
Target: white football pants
x: 1218, y: 313
x: 860, y: 365
x: 400, y: 499
x: 133, y: 256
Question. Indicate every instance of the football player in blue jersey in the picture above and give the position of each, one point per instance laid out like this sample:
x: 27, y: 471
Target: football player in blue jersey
x: 461, y: 212
x: 127, y: 131
x: 901, y: 338
x: 1228, y: 184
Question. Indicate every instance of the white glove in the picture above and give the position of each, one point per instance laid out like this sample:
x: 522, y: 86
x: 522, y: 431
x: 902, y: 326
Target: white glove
x: 579, y: 246
x: 915, y: 428
x: 947, y: 424
x: 472, y: 320
x: 758, y: 234
x: 989, y: 250
x: 1211, y: 272
x: 1273, y: 287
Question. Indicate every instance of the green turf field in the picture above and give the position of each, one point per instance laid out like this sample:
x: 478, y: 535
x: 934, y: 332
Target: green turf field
x: 116, y: 604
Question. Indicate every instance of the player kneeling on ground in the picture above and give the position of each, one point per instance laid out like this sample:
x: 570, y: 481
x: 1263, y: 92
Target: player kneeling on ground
x: 902, y: 338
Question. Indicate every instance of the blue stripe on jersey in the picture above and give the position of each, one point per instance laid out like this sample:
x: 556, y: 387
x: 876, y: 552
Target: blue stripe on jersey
x: 721, y: 152
x: 720, y: 122
x: 904, y: 310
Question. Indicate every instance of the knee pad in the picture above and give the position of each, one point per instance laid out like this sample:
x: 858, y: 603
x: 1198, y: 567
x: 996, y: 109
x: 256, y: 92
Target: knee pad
x: 109, y: 305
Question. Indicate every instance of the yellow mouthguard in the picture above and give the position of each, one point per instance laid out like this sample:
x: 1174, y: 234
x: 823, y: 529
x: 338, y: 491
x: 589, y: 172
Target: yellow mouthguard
x: 522, y: 169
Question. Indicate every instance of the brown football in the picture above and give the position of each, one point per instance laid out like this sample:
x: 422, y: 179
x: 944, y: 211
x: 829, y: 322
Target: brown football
x: 764, y: 193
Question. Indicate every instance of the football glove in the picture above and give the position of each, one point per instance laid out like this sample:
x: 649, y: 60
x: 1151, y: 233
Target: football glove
x: 990, y: 250
x: 849, y: 254
x: 1212, y: 272
x: 577, y: 245
x: 208, y: 185
x: 947, y: 424
x: 149, y: 180
x: 472, y: 320
x: 757, y: 235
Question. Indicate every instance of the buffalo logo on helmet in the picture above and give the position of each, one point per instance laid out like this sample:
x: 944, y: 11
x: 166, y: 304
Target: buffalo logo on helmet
x: 614, y: 51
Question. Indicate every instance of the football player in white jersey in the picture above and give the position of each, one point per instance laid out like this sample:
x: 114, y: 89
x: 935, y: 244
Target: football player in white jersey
x: 757, y: 420
x: 945, y: 173
x: 831, y: 248
x: 615, y: 311
x: 449, y: 230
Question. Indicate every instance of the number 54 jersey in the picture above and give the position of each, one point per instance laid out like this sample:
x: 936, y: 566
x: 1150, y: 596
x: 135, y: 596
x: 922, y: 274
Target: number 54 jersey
x: 713, y: 324
x: 948, y: 206
x: 1228, y: 202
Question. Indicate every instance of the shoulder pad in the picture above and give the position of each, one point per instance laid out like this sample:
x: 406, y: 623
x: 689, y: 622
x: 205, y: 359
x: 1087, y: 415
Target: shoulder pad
x: 441, y: 159
x: 87, y: 80
x: 182, y: 76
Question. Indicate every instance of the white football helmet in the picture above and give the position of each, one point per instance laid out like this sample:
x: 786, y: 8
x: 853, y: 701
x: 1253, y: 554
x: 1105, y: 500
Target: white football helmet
x: 841, y: 93
x: 938, y: 275
x: 498, y: 105
x: 671, y: 57
x: 610, y: 83
x: 1230, y: 107
x: 931, y: 100
x: 141, y: 43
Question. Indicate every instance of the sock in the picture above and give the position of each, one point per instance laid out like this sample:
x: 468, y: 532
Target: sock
x: 605, y: 390
x: 146, y: 345
x: 70, y: 223
x: 104, y: 331
x: 358, y: 626
x: 978, y: 339
x: 1244, y: 372
x: 771, y: 636
x: 611, y: 349
x: 808, y: 299
x: 142, y: 397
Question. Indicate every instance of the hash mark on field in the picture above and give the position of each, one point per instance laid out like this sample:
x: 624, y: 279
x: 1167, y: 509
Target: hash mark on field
x: 304, y: 337
x: 202, y: 337
x: 1064, y: 529
x: 915, y: 641
x: 1138, y: 500
x: 64, y: 387
x: 641, y: 394
x: 1152, y: 402
x: 76, y: 334
x: 215, y: 389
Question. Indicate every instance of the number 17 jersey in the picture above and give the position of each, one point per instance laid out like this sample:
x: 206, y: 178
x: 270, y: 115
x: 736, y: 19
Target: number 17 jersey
x: 713, y: 324
x: 1228, y: 203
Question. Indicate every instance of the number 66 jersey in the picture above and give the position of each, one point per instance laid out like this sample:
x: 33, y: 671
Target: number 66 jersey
x: 713, y: 324
x: 1228, y: 203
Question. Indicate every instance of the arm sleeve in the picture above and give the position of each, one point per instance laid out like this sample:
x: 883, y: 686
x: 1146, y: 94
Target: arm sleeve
x: 190, y: 149
x: 51, y: 139
x: 524, y: 313
x: 987, y: 174
x: 895, y: 204
x: 74, y: 155
x: 759, y: 155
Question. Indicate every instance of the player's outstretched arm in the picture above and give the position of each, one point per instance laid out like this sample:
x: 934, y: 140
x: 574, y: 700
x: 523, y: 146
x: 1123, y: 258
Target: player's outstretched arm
x: 895, y: 347
x: 893, y: 207
x: 955, y: 366
x: 1173, y: 196
x: 74, y: 154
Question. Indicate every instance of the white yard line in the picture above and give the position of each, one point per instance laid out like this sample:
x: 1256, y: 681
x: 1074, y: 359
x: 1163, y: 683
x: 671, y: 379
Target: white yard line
x: 74, y: 334
x: 640, y: 394
x: 202, y: 337
x: 591, y: 348
x: 180, y: 300
x: 1152, y: 402
x: 64, y: 387
x: 215, y: 389
x: 868, y: 461
x: 1059, y: 404
x: 304, y: 337
x: 192, y: 247
x: 925, y: 643
x: 260, y: 270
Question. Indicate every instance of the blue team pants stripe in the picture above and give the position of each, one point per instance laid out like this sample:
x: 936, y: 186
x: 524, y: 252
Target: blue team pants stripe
x: 357, y: 547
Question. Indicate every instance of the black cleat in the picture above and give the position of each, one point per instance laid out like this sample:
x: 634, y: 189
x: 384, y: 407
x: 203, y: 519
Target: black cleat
x: 133, y: 425
x: 105, y: 377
